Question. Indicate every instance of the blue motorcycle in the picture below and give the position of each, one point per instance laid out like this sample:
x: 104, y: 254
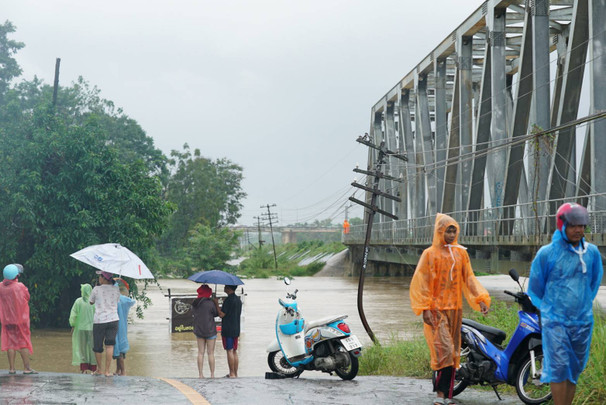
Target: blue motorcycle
x: 485, y: 362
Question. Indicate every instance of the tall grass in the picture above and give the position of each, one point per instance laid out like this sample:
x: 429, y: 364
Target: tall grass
x: 591, y: 388
x: 410, y: 358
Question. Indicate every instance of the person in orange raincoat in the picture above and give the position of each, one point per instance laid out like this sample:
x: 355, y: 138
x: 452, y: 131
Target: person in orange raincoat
x: 346, y: 227
x: 443, y: 275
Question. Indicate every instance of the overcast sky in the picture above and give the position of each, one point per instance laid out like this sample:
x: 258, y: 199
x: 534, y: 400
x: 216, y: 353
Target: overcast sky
x: 281, y: 87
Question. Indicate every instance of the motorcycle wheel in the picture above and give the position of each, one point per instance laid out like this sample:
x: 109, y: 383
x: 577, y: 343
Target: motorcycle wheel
x: 278, y: 364
x: 349, y: 372
x: 460, y: 383
x: 532, y: 390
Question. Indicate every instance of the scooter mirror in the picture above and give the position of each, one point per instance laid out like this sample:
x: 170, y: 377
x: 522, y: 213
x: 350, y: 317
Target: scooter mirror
x: 514, y: 275
x: 287, y: 280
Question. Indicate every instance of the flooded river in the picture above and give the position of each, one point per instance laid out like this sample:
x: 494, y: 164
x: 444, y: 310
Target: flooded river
x: 157, y: 352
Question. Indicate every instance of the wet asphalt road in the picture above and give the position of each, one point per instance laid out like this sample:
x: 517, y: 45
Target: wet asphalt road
x: 57, y: 388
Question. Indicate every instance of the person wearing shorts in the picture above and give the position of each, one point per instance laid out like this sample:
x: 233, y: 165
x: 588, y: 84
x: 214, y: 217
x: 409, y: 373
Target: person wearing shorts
x: 105, y: 296
x: 205, y: 328
x: 230, y: 327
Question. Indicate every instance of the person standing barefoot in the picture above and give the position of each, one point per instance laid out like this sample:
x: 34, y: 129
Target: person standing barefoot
x: 205, y: 328
x: 105, y: 296
x: 230, y: 327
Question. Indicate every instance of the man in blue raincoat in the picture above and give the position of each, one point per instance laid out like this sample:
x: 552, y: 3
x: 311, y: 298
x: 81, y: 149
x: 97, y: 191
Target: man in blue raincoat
x: 564, y: 280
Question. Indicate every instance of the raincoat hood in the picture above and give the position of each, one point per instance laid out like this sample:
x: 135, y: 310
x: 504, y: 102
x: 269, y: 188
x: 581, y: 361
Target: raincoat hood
x: 443, y: 221
x: 85, y: 290
x: 6, y: 281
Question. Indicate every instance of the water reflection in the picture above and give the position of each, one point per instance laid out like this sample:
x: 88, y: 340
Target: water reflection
x: 158, y: 353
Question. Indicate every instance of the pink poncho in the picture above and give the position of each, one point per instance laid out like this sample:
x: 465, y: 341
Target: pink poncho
x: 14, y: 316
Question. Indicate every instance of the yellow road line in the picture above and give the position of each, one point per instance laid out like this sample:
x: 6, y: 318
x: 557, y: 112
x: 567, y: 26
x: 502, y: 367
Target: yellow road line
x: 194, y: 396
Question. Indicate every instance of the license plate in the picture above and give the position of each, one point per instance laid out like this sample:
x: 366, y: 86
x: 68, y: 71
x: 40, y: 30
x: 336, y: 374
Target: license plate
x: 351, y: 342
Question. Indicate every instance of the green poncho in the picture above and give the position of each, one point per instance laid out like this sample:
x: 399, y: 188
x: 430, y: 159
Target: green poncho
x: 81, y: 319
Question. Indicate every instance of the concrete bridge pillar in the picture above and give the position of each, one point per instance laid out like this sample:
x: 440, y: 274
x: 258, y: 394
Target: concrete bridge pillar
x: 289, y: 236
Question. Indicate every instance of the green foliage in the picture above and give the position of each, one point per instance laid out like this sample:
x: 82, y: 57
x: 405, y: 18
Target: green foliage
x: 356, y: 221
x: 9, y: 68
x: 209, y: 248
x: 204, y: 192
x: 63, y: 189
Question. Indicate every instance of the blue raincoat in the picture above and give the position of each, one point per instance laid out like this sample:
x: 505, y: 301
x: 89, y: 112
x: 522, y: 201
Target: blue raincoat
x: 563, y: 284
x: 122, y: 345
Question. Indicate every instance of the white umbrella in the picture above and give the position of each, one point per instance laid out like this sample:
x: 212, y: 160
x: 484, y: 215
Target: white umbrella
x: 113, y: 258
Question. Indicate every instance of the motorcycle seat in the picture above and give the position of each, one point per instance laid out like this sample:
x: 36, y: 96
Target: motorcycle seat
x: 496, y: 336
x: 323, y: 321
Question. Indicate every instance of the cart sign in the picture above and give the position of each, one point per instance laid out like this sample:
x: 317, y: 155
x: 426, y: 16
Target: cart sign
x: 182, y: 315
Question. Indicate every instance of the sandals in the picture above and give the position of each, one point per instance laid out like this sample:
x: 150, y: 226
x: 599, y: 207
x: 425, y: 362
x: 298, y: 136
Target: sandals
x: 444, y: 401
x: 30, y: 371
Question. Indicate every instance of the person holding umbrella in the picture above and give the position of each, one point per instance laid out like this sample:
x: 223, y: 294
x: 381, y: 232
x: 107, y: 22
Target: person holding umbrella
x: 230, y: 312
x: 105, y: 296
x: 230, y: 327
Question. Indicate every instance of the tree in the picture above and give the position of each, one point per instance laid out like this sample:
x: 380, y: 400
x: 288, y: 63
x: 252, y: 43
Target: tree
x: 209, y: 248
x: 9, y: 68
x: 204, y: 191
x: 356, y: 221
x: 63, y: 188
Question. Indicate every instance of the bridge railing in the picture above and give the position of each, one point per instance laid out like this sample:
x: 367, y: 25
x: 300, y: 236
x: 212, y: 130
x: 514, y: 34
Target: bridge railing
x: 523, y: 223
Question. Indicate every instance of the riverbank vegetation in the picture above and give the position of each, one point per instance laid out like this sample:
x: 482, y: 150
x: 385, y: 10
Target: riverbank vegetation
x: 410, y: 358
x: 293, y: 260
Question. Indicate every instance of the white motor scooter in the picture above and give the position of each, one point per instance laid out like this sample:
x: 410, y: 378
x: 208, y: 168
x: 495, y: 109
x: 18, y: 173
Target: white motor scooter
x: 325, y: 344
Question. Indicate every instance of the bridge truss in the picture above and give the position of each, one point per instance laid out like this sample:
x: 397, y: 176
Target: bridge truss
x: 502, y: 122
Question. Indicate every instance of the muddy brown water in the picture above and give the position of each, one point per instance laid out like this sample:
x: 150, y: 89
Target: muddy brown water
x: 156, y: 352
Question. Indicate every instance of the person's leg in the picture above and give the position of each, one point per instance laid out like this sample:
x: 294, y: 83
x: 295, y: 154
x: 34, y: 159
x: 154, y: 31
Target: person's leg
x: 559, y: 391
x: 443, y: 382
x: 200, y: 358
x: 25, y: 357
x: 99, y: 358
x: 570, y: 391
x: 230, y: 363
x: 11, y: 360
x: 109, y: 352
x: 210, y: 351
x: 236, y: 361
x: 111, y: 329
x: 98, y: 334
x: 121, y: 365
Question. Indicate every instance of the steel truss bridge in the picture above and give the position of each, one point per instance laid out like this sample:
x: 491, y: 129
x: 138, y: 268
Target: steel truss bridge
x: 501, y: 123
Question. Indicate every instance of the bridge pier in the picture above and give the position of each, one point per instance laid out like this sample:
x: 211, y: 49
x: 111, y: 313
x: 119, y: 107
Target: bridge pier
x: 390, y: 261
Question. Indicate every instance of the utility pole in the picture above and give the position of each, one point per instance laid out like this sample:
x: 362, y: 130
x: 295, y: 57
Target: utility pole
x: 372, y: 209
x: 56, y: 84
x: 271, y: 216
x: 259, y: 231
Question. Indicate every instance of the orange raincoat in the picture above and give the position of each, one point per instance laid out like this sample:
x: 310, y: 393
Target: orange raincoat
x: 443, y: 275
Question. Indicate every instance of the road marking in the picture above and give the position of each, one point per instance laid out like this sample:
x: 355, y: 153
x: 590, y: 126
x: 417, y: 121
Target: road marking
x: 194, y: 396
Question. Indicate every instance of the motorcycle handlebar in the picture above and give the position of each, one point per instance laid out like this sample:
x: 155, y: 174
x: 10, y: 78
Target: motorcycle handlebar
x: 510, y: 293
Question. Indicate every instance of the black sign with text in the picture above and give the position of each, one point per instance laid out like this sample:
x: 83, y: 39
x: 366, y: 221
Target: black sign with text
x: 182, y: 314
